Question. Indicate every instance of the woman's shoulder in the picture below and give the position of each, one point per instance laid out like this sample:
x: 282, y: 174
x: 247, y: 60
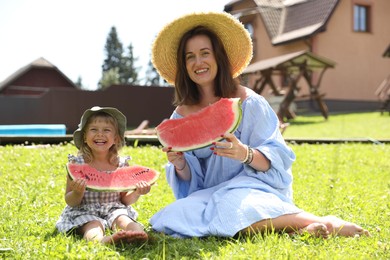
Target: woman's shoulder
x: 185, y: 110
x: 249, y: 95
x: 180, y: 111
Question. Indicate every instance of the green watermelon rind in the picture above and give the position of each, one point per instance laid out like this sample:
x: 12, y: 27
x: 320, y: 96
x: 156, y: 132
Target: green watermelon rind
x: 237, y: 108
x: 111, y: 189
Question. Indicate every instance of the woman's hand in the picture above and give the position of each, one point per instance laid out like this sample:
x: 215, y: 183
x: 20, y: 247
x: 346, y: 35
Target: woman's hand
x: 179, y: 162
x: 176, y: 158
x: 232, y: 148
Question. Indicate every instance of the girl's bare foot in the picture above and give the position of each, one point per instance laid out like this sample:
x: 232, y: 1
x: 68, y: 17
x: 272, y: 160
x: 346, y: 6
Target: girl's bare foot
x: 136, y: 236
x: 125, y: 236
x: 316, y: 229
x: 344, y: 228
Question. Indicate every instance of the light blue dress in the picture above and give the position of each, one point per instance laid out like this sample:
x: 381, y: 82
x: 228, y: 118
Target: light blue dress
x: 225, y: 196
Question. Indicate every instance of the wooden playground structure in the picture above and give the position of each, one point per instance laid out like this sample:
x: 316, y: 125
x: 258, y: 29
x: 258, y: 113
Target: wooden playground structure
x: 293, y: 67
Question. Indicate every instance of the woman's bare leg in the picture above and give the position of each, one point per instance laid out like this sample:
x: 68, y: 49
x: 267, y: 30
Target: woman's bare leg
x: 306, y: 222
x: 344, y: 228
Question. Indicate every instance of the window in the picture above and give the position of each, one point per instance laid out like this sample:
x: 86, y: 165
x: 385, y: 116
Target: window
x: 251, y: 31
x: 249, y: 27
x: 361, y: 18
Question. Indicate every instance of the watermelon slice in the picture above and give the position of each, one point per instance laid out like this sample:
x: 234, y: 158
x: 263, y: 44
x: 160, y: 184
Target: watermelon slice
x: 201, y: 128
x: 122, y: 179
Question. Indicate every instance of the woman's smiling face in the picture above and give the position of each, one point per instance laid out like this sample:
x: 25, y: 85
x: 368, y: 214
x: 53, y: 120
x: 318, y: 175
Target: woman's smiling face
x: 200, y: 60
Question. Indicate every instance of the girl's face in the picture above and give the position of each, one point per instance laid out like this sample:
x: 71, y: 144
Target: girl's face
x: 200, y: 61
x: 100, y: 134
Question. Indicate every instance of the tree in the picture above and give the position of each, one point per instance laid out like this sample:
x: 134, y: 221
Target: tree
x: 118, y: 67
x: 79, y: 82
x: 114, y: 51
x: 152, y: 77
x: 129, y: 73
x: 109, y: 78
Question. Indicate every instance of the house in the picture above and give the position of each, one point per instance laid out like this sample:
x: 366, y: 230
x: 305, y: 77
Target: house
x: 34, y: 79
x: 352, y: 34
x: 40, y: 94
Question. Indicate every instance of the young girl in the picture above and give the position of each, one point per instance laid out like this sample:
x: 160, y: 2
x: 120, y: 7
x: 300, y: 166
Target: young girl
x: 99, y: 138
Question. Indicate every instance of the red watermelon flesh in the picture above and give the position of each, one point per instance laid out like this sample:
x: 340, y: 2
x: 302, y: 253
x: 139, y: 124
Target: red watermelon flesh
x: 201, y: 128
x: 122, y: 179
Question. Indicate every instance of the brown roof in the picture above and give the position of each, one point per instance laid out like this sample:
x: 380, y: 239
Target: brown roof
x: 291, y: 60
x: 288, y: 20
x: 38, y: 63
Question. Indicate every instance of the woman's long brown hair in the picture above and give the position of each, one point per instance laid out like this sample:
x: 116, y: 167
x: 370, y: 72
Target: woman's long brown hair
x: 186, y: 91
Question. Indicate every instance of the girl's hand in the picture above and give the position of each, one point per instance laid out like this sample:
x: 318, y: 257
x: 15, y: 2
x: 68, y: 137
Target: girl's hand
x: 75, y: 191
x: 232, y: 147
x: 78, y: 186
x: 142, y: 188
x: 176, y: 158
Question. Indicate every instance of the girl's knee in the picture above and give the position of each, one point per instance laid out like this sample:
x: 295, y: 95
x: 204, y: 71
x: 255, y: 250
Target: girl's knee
x: 92, y: 230
x: 94, y: 224
x: 125, y: 222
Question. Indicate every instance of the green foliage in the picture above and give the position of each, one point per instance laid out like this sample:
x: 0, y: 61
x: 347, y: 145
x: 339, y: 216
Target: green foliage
x: 130, y: 73
x: 119, y: 65
x: 153, y: 78
x: 114, y: 51
x: 110, y: 77
x: 351, y: 181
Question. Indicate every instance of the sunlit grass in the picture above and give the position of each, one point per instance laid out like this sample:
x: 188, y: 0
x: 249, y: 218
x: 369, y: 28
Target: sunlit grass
x: 351, y: 181
x: 355, y: 125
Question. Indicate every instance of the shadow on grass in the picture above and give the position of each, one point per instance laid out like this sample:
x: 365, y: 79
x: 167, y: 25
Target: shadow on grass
x: 54, y: 233
x: 307, y: 122
x: 158, y: 246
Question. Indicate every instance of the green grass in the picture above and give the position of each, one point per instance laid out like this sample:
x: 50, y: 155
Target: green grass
x: 354, y: 125
x: 351, y: 181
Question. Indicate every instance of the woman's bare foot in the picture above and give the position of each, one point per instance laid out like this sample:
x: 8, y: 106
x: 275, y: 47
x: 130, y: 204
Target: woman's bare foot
x: 315, y: 229
x: 344, y: 228
x: 125, y: 236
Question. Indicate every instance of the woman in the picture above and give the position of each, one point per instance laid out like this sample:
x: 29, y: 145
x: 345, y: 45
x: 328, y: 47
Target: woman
x: 240, y: 185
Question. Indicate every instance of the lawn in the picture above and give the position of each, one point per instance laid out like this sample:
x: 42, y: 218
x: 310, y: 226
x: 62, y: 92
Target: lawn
x: 350, y: 126
x: 350, y: 180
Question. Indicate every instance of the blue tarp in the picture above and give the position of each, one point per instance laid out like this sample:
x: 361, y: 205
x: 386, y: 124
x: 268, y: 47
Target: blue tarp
x: 33, y: 129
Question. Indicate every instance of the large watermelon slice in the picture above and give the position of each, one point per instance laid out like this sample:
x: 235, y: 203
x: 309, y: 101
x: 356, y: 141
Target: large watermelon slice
x: 122, y: 179
x: 202, y: 128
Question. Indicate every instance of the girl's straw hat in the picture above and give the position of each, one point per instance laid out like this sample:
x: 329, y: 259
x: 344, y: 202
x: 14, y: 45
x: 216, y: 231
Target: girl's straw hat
x: 234, y: 36
x: 115, y: 113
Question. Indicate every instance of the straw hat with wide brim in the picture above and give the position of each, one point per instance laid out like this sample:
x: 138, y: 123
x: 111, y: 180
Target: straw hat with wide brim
x: 234, y: 36
x: 115, y: 113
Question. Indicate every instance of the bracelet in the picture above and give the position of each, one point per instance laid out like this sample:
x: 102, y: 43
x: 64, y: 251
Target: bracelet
x: 185, y: 164
x: 250, y: 156
x: 247, y: 155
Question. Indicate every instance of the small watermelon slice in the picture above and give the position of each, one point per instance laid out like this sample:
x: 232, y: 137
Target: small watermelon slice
x: 201, y: 128
x: 122, y: 179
